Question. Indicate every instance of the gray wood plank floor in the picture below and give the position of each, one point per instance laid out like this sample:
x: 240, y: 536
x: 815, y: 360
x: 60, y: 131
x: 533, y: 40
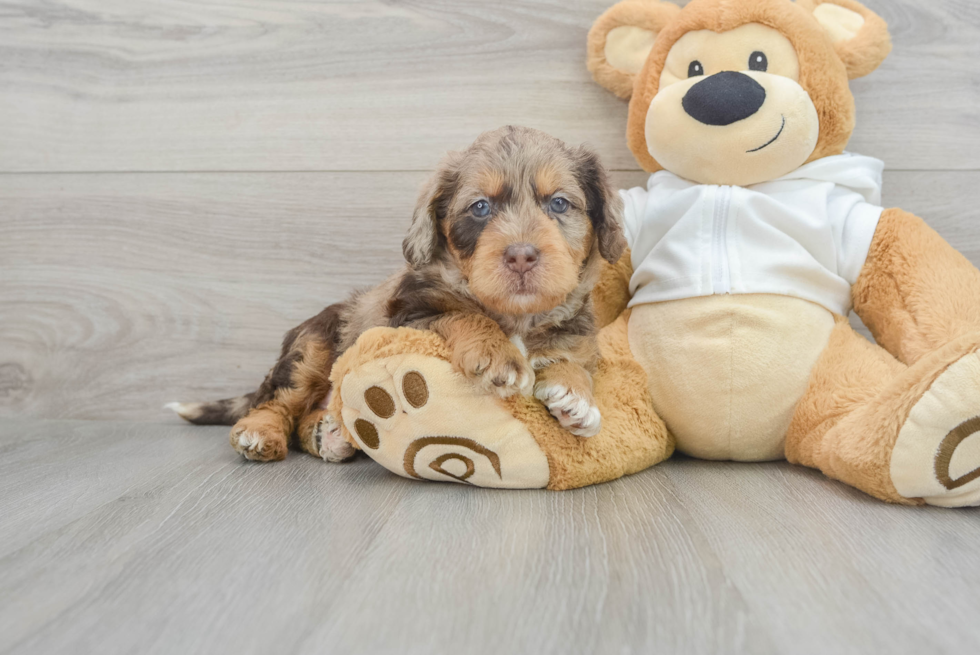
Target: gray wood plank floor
x: 126, y: 537
x: 182, y: 181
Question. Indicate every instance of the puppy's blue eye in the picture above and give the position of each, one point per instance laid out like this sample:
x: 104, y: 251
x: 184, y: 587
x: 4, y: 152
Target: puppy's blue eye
x: 559, y: 205
x: 480, y: 208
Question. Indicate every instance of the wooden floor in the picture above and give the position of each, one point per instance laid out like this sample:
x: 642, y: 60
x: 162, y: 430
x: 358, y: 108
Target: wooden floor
x: 181, y: 181
x: 136, y: 538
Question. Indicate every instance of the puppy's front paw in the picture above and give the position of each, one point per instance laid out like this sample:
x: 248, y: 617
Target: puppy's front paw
x: 331, y: 443
x: 575, y: 411
x: 500, y: 367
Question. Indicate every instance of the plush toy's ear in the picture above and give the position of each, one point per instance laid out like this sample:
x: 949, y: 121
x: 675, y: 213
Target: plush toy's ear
x: 860, y: 36
x: 422, y: 241
x: 621, y: 40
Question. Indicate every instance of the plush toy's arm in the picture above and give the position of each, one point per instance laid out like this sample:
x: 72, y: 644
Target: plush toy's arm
x: 612, y: 292
x: 915, y: 293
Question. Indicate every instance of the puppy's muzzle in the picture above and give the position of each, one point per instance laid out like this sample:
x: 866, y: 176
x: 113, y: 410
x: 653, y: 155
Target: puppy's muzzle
x: 521, y: 257
x: 724, y: 98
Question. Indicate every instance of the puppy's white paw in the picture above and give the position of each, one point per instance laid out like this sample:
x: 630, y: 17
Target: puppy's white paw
x: 575, y: 412
x: 333, y: 447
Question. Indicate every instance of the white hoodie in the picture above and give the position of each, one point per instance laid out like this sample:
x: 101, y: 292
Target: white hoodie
x: 805, y: 234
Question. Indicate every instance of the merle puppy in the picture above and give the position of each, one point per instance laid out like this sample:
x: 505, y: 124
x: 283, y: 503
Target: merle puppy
x: 504, y: 249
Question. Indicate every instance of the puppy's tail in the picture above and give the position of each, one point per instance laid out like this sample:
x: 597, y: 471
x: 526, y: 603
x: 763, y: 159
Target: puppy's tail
x: 219, y: 412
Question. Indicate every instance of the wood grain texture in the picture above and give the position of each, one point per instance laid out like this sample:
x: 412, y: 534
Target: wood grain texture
x: 839, y: 564
x: 121, y: 292
x: 114, y: 283
x: 160, y: 539
x: 164, y: 85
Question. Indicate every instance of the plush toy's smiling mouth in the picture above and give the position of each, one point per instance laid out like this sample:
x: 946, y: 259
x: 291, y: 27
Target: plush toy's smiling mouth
x: 772, y: 140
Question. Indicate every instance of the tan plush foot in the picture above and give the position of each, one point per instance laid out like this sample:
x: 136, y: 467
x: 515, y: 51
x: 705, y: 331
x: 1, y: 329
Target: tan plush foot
x: 937, y: 454
x: 419, y: 418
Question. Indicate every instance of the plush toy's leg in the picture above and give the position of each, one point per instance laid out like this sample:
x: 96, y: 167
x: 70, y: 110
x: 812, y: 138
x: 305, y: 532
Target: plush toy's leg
x: 915, y: 293
x: 900, y: 433
x: 402, y: 402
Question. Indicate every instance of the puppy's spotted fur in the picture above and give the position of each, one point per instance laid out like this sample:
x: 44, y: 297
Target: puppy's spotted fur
x: 503, y: 252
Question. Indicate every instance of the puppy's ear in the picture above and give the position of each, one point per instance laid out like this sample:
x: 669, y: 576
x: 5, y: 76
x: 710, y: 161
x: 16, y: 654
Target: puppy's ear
x: 605, y: 206
x: 859, y: 35
x: 621, y: 40
x: 422, y: 242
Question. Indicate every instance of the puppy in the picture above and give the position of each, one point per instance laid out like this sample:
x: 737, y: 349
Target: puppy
x: 503, y: 252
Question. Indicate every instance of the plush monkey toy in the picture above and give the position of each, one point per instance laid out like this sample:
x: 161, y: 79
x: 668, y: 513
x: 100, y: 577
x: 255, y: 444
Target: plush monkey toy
x: 754, y: 237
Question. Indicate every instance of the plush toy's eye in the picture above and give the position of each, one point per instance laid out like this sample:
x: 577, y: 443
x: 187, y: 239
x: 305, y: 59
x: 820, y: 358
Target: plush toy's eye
x: 758, y: 62
x: 695, y: 69
x: 480, y: 208
x: 559, y: 205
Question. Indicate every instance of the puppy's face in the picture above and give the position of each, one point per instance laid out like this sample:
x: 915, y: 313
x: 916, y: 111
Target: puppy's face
x: 519, y: 230
x: 522, y: 216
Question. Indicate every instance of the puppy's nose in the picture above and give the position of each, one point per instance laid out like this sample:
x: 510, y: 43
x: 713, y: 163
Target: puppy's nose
x: 724, y: 98
x: 521, y: 257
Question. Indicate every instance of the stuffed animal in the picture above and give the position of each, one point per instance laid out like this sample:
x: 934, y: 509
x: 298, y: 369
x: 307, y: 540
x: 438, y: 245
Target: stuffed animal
x: 726, y: 335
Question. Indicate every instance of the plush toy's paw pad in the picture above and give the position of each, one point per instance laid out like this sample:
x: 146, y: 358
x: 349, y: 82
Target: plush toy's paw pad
x: 576, y: 412
x: 259, y: 445
x: 419, y: 418
x: 937, y: 454
x: 330, y: 441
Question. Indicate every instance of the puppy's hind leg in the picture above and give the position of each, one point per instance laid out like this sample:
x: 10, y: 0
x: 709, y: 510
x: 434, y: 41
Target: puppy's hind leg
x: 292, y: 391
x: 263, y: 435
x: 320, y: 435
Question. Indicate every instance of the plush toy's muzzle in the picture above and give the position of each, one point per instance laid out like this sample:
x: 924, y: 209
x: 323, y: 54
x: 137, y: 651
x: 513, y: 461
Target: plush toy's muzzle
x: 732, y: 127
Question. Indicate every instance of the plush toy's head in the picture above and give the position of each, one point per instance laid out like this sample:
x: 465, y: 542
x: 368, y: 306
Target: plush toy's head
x: 736, y: 91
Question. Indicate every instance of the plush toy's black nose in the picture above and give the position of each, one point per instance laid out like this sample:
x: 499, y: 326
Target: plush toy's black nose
x: 724, y: 98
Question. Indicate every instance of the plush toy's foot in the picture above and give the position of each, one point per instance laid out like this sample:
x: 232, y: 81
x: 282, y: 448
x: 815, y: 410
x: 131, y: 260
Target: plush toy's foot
x: 420, y: 419
x: 937, y: 454
x: 904, y: 434
x: 404, y: 404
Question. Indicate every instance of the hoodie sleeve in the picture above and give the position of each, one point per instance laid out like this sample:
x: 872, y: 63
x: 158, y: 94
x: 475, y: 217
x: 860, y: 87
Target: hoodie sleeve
x: 634, y: 204
x: 854, y: 222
